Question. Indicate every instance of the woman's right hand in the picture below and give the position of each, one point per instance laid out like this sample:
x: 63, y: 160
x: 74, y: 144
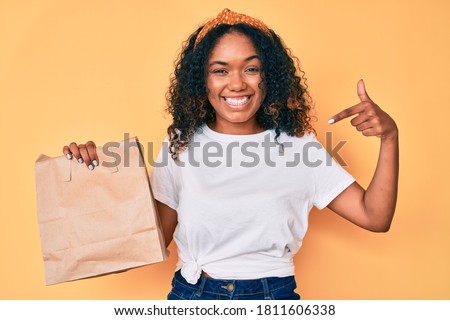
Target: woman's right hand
x: 83, y: 153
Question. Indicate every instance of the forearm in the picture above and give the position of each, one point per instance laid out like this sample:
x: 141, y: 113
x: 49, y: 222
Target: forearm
x: 381, y: 196
x: 168, y: 219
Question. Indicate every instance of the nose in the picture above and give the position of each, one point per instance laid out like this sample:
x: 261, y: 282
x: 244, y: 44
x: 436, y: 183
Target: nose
x: 236, y: 82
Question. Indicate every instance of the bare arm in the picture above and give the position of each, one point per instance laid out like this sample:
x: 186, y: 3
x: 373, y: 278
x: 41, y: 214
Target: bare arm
x: 169, y: 220
x: 372, y: 209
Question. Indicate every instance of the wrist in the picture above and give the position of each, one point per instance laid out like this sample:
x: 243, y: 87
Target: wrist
x: 391, y: 136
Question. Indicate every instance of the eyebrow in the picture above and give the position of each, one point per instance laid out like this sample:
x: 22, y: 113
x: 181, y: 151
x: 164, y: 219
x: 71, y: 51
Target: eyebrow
x: 225, y: 63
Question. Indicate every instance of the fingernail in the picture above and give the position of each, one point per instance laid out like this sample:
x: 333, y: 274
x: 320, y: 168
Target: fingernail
x: 80, y: 160
x: 91, y: 167
x: 95, y: 163
x: 69, y: 156
x: 331, y: 121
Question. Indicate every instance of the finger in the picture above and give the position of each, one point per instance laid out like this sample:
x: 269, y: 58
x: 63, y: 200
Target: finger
x: 361, y: 90
x: 67, y: 152
x: 85, y: 155
x: 364, y: 126
x: 360, y: 118
x: 92, y: 151
x: 357, y: 108
x: 369, y: 132
x: 75, y: 151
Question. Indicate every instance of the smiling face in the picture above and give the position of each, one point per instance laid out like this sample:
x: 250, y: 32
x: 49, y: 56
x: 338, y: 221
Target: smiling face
x: 233, y: 79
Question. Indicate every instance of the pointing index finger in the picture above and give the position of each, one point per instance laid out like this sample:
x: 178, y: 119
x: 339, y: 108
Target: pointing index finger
x: 346, y: 113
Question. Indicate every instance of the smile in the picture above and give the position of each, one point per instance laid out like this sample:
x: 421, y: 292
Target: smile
x: 237, y: 102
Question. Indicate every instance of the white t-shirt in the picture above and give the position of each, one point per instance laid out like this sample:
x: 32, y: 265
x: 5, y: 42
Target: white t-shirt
x: 243, y: 202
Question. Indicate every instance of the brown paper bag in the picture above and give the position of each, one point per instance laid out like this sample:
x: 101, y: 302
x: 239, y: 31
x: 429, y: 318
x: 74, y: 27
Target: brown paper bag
x: 97, y: 222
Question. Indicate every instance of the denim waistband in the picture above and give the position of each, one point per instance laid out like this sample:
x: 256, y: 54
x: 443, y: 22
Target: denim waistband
x: 235, y: 287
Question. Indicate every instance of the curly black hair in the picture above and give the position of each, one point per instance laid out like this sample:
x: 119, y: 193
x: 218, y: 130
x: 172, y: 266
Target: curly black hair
x: 286, y: 106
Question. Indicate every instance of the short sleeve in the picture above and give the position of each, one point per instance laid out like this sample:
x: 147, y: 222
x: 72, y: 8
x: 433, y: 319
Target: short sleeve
x: 330, y: 179
x: 163, y: 178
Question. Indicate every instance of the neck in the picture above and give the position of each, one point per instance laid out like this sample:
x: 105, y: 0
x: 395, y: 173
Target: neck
x: 236, y: 129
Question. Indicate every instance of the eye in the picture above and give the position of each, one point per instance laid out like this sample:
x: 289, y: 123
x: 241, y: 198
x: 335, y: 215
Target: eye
x: 253, y: 70
x: 219, y: 71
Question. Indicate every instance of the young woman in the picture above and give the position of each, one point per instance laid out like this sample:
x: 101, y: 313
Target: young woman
x: 242, y: 167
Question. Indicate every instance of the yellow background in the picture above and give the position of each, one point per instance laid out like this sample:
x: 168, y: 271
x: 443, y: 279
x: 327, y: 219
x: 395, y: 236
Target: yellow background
x: 80, y: 70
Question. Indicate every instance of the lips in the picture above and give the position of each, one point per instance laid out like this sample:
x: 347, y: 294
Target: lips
x: 236, y: 102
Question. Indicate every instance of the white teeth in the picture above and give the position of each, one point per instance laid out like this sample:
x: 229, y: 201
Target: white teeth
x: 237, y: 102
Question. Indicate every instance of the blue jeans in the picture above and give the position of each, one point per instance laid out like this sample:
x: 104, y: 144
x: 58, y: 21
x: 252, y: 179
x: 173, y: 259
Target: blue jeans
x: 212, y: 289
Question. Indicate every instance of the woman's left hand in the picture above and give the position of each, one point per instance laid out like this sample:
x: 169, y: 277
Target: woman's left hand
x: 372, y: 209
x: 371, y: 120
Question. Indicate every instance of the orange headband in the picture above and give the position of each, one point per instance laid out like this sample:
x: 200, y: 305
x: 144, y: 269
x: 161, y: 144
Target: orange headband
x: 230, y: 17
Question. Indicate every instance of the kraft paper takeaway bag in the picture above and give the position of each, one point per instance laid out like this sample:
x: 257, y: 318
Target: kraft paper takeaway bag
x: 97, y: 222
